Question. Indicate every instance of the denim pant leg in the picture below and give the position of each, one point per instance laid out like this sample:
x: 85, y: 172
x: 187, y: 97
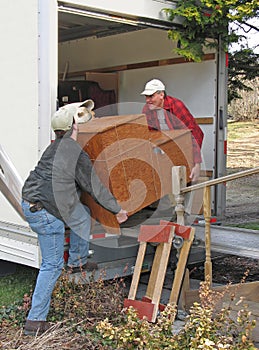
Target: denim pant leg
x: 50, y: 232
x: 80, y: 227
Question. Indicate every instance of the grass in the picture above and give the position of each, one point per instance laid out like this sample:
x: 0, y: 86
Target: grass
x: 237, y: 128
x: 14, y: 286
x: 248, y: 226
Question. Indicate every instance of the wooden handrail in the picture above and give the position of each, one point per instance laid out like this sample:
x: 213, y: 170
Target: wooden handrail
x: 206, y: 186
x: 220, y: 180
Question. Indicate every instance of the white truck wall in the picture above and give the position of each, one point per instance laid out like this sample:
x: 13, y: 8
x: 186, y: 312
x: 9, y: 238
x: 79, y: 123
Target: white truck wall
x: 28, y: 74
x: 127, y: 48
x: 19, y: 88
x: 19, y: 80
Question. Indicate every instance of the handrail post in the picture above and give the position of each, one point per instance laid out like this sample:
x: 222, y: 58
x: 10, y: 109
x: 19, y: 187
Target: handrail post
x: 207, y: 217
x: 178, y: 182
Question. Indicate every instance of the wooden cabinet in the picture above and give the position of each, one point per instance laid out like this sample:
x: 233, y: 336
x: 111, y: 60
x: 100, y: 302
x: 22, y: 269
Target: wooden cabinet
x: 134, y: 162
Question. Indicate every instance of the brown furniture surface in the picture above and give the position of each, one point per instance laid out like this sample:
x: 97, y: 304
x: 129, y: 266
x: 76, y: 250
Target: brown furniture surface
x: 132, y: 161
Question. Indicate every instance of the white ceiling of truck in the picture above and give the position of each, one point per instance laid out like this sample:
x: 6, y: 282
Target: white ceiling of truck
x: 76, y: 23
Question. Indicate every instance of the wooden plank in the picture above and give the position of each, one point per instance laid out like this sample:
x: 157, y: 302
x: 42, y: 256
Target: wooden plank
x: 139, y: 65
x: 207, y: 217
x: 205, y: 120
x: 158, y: 271
x: 185, y: 286
x: 249, y: 291
x: 160, y: 276
x: 253, y: 307
x: 153, y: 273
x: 137, y: 270
x: 220, y: 180
x: 180, y: 269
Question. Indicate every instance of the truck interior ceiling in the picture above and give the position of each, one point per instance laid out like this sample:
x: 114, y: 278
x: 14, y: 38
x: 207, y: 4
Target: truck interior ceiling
x: 76, y: 26
x: 79, y: 22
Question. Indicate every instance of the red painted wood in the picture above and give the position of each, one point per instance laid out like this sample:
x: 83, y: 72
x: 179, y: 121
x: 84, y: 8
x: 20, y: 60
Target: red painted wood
x: 154, y: 233
x: 180, y: 230
x: 148, y: 300
x: 144, y: 309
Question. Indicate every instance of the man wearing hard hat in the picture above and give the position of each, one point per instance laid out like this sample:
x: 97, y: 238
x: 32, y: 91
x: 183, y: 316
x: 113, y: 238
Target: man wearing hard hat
x: 51, y: 201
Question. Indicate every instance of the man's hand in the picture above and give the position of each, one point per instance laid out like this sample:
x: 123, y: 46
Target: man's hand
x: 195, y: 173
x: 122, y: 216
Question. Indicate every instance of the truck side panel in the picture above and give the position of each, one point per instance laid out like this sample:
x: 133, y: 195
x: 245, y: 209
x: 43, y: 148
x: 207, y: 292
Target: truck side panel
x: 19, y: 92
x: 29, y: 84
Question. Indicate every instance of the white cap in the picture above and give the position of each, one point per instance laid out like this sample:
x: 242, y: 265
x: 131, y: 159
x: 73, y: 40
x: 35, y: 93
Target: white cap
x: 62, y: 119
x: 153, y: 86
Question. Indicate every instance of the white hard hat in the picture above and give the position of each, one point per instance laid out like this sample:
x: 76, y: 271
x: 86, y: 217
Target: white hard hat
x: 153, y: 86
x: 62, y: 119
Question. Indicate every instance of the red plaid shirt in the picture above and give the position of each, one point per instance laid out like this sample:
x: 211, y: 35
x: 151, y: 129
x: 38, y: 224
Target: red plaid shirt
x: 177, y: 116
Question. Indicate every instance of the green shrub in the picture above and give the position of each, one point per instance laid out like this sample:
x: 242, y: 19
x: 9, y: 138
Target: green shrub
x: 204, y: 328
x: 14, y: 286
x: 90, y: 301
x: 14, y: 314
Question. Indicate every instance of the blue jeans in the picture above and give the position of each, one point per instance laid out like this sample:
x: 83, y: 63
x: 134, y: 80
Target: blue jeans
x: 50, y: 232
x: 79, y: 223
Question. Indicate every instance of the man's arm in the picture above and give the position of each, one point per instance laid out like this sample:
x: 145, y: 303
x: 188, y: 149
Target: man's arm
x: 195, y: 172
x: 182, y: 113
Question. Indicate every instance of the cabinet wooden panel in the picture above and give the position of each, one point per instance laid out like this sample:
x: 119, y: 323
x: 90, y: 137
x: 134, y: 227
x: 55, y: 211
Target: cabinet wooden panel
x: 134, y: 162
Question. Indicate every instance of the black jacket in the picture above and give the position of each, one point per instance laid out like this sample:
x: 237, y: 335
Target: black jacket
x: 62, y: 173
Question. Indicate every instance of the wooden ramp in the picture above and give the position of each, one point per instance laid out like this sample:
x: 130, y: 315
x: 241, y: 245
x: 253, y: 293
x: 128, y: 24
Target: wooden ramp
x: 231, y: 240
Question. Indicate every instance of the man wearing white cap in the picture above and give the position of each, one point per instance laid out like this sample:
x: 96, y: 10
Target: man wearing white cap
x: 51, y: 200
x: 164, y: 112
